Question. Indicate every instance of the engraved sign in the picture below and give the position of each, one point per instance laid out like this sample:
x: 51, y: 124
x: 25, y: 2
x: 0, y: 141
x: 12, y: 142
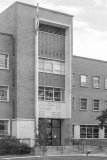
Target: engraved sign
x: 49, y: 110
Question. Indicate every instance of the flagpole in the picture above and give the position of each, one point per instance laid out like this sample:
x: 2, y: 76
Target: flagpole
x: 36, y: 71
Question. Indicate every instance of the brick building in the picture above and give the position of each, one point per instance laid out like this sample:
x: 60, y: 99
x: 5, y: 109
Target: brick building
x: 89, y: 97
x: 35, y: 72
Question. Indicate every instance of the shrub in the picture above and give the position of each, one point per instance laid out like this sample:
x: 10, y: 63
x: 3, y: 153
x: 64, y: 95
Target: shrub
x: 12, y: 145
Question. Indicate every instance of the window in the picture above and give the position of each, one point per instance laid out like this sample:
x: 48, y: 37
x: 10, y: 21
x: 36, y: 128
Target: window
x: 3, y: 127
x: 105, y: 104
x: 89, y: 131
x: 4, y: 61
x: 73, y: 79
x: 4, y: 93
x: 96, y: 105
x: 73, y: 103
x: 96, y: 82
x: 51, y: 94
x: 51, y: 66
x: 83, y: 104
x: 84, y: 80
x: 51, y: 29
x: 105, y: 132
x: 105, y: 83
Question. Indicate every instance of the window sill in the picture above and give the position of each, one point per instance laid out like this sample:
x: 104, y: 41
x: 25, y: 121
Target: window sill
x: 96, y: 110
x: 52, y: 101
x: 83, y: 110
x: 4, y: 69
x: 4, y: 101
x: 84, y: 86
x: 96, y: 87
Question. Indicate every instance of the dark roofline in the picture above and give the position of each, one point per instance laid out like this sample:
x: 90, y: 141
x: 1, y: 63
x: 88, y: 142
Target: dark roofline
x: 39, y: 7
x: 91, y: 59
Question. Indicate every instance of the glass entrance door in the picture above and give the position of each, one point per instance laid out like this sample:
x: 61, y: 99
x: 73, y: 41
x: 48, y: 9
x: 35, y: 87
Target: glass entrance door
x: 54, y: 132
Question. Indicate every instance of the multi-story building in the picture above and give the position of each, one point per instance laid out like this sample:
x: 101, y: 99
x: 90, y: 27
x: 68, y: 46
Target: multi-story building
x: 35, y: 72
x: 89, y: 97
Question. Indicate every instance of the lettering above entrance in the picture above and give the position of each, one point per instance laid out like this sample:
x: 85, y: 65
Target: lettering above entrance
x: 49, y: 110
x: 53, y: 110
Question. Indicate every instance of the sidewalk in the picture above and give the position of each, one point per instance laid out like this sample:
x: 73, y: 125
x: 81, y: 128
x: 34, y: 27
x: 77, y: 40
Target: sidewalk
x: 68, y: 155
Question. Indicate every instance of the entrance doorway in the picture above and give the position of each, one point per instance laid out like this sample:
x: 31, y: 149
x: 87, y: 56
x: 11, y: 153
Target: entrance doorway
x: 54, y: 132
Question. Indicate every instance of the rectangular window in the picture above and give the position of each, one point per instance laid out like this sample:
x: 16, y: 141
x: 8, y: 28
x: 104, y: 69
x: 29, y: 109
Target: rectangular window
x: 3, y: 127
x: 4, y: 93
x: 51, y: 94
x: 73, y: 103
x: 51, y: 66
x: 84, y: 80
x: 89, y: 131
x: 96, y: 82
x: 105, y: 83
x: 105, y: 132
x: 4, y: 61
x: 73, y: 79
x: 83, y: 104
x: 96, y: 105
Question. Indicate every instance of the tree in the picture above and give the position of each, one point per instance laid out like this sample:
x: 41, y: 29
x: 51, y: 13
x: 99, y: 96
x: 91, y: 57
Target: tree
x: 103, y: 119
x: 42, y: 136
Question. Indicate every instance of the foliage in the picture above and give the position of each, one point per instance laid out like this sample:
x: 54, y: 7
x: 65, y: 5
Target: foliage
x: 42, y: 136
x: 103, y: 119
x: 11, y: 145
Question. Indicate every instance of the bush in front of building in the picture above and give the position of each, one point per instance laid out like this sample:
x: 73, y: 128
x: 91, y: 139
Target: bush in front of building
x: 12, y: 145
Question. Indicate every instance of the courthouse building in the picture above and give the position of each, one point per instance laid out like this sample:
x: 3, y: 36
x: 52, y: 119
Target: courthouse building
x: 35, y: 72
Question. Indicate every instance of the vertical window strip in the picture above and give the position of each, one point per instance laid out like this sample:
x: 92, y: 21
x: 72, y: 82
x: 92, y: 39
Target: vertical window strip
x: 105, y: 83
x: 73, y: 79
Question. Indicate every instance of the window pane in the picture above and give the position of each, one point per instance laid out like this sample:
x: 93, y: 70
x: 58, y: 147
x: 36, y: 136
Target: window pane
x: 3, y: 92
x: 57, y: 95
x: 82, y: 131
x: 3, y: 127
x: 57, y: 67
x: 41, y: 93
x: 96, y: 104
x: 96, y: 82
x: 83, y: 103
x: 63, y: 95
x: 49, y: 66
x: 3, y: 60
x: 49, y: 94
x: 83, y: 80
x: 41, y: 65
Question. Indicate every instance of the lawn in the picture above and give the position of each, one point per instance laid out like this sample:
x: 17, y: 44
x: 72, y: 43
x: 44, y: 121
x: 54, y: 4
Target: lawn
x: 55, y: 158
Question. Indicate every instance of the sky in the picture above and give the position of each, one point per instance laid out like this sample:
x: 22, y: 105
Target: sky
x: 89, y: 23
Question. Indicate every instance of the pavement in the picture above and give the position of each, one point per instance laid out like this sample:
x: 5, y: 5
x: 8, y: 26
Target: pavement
x: 68, y: 155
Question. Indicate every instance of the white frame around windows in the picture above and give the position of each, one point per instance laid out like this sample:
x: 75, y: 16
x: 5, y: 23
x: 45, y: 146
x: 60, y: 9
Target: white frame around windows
x: 105, y: 84
x: 99, y: 79
x: 51, y: 61
x: 7, y: 94
x: 5, y: 67
x: 8, y: 124
x: 94, y: 103
x: 84, y: 84
x: 86, y: 105
x: 61, y: 89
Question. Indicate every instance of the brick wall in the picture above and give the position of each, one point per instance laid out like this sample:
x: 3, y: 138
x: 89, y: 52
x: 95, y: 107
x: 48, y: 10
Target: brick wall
x: 91, y: 68
x: 6, y: 46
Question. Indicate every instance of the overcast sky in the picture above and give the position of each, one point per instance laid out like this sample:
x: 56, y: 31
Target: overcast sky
x: 90, y: 23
